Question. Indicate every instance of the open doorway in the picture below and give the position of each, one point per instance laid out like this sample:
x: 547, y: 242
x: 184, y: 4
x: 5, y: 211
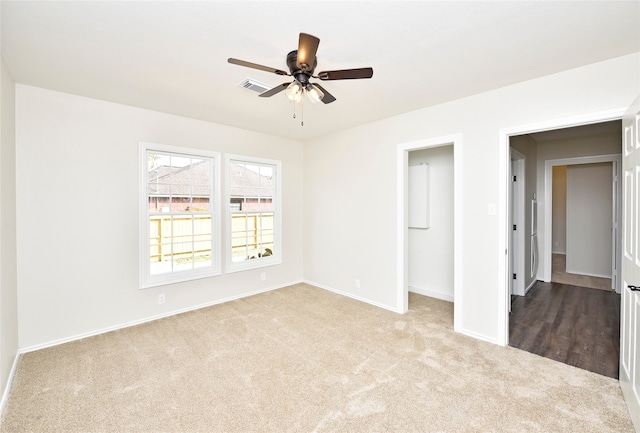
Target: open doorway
x: 552, y: 319
x: 583, y: 238
x: 443, y: 157
x: 430, y: 237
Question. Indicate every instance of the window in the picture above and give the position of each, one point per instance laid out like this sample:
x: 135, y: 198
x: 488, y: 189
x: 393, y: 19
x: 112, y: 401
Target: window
x: 254, y: 212
x: 180, y: 228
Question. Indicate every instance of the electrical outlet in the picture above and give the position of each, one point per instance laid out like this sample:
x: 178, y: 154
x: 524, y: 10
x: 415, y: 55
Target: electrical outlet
x: 263, y: 276
x: 357, y: 283
x: 162, y: 298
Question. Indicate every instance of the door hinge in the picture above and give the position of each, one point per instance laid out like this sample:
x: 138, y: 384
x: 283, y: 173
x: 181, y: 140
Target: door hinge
x: 514, y: 277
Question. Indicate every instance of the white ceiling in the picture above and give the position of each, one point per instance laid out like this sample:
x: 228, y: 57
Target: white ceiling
x: 172, y: 56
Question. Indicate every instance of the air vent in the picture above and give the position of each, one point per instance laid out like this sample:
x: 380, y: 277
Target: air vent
x: 254, y: 85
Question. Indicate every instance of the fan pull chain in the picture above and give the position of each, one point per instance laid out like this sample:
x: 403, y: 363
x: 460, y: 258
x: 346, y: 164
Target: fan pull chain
x: 301, y: 113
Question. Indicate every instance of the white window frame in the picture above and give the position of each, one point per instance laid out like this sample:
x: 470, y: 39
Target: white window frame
x: 146, y: 279
x: 276, y: 258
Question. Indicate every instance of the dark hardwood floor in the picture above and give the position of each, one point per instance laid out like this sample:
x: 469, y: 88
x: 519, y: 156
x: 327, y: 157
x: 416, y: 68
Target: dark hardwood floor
x: 574, y: 325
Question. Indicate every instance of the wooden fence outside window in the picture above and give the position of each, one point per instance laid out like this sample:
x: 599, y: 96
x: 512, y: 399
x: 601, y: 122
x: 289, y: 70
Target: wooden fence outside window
x: 188, y: 237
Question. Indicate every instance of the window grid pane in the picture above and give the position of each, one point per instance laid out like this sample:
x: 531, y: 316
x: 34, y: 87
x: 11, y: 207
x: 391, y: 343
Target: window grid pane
x: 180, y: 197
x: 252, y: 235
x: 253, y: 189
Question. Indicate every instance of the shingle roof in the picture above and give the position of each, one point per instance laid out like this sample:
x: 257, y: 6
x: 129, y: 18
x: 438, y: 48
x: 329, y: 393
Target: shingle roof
x: 191, y: 179
x: 248, y: 183
x: 194, y: 180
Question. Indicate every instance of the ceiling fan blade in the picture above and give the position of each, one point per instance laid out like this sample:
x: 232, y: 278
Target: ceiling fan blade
x: 256, y: 66
x: 307, y: 47
x: 328, y: 97
x: 346, y: 74
x: 279, y: 88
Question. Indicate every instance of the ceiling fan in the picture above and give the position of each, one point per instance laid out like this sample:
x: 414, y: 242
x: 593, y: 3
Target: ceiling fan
x: 302, y: 64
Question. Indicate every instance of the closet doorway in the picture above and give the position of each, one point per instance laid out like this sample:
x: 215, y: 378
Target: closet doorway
x: 436, y: 239
x: 430, y: 238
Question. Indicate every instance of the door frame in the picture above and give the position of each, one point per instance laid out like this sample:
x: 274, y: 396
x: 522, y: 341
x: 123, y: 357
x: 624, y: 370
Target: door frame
x: 516, y: 217
x: 616, y: 160
x: 503, y: 197
x: 402, y: 226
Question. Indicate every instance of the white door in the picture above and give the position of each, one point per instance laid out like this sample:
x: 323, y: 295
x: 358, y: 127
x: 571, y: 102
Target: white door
x: 615, y: 229
x: 517, y: 275
x: 512, y: 238
x: 630, y: 310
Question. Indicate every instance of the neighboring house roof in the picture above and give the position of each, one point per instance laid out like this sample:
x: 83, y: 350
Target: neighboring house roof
x: 194, y: 180
x: 189, y: 180
x: 248, y: 183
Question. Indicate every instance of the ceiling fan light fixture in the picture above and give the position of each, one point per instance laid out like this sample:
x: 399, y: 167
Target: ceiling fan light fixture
x: 294, y: 91
x: 302, y: 64
x: 315, y: 95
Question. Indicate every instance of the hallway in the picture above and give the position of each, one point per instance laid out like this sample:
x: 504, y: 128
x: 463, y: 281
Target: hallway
x: 559, y: 274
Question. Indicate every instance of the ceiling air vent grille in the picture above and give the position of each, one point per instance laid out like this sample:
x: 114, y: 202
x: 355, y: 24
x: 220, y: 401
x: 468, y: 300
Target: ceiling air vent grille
x: 254, y: 85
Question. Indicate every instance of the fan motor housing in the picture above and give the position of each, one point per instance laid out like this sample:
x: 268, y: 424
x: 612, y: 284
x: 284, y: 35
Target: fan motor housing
x: 297, y: 73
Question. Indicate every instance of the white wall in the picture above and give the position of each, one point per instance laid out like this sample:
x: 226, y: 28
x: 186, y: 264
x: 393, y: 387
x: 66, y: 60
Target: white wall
x: 350, y: 183
x: 77, y: 211
x: 8, y: 272
x: 559, y: 210
x: 589, y: 219
x: 431, y: 250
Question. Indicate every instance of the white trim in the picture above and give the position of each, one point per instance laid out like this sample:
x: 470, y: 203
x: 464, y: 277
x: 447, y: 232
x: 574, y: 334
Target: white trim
x: 503, y: 156
x: 352, y: 296
x: 458, y: 235
x: 402, y: 224
x: 7, y: 388
x: 548, y: 196
x: 438, y: 294
x: 145, y: 279
x: 564, y: 122
x: 479, y: 337
x: 519, y: 237
x: 276, y: 258
x: 571, y: 271
x: 153, y: 318
x: 402, y: 159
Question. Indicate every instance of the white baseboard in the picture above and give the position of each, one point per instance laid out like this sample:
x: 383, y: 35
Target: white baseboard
x: 480, y: 337
x: 438, y: 294
x: 587, y: 274
x: 352, y: 296
x: 150, y: 319
x: 7, y: 388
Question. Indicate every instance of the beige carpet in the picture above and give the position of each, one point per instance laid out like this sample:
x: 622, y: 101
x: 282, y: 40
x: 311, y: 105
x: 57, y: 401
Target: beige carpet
x: 301, y: 359
x: 559, y: 274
